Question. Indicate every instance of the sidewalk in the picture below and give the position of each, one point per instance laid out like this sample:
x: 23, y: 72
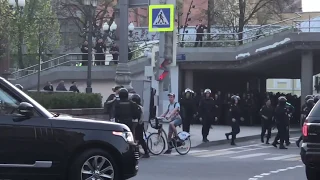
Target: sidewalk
x: 217, y: 134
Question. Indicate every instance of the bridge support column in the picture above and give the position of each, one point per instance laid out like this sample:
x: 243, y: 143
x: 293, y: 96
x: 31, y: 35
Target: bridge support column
x: 262, y: 83
x: 306, y: 74
x: 188, y: 79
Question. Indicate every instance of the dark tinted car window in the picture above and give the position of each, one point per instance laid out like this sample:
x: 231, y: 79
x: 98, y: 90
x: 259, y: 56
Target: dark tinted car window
x: 315, y: 112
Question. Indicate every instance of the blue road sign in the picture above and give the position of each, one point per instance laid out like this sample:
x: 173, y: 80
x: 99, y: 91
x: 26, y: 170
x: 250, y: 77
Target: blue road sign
x: 161, y: 18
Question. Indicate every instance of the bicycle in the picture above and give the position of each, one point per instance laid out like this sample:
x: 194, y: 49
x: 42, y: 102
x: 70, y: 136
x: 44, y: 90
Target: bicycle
x: 161, y: 137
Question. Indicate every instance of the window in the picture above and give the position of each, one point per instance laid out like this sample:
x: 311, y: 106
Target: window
x: 8, y: 104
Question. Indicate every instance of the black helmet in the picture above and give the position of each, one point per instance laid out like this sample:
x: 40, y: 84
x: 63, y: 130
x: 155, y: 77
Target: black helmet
x: 308, y: 97
x: 136, y: 98
x: 19, y: 86
x: 123, y: 94
x: 316, y: 98
x: 310, y: 102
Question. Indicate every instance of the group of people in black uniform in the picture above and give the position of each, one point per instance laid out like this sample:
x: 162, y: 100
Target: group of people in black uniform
x: 128, y: 110
x: 270, y: 110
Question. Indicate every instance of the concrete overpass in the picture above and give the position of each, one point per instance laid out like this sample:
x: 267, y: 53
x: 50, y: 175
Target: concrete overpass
x: 284, y: 55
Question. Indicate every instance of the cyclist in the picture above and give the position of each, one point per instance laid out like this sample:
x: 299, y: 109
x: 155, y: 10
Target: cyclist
x: 172, y: 114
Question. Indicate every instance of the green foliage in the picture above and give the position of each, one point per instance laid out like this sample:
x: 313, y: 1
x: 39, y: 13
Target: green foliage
x: 36, y: 23
x: 61, y: 100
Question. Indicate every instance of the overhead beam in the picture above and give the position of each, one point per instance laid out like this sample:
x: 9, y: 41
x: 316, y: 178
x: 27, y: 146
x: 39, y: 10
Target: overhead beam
x: 138, y: 3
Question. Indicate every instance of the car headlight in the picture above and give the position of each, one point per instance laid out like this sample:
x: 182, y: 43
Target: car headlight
x: 127, y: 136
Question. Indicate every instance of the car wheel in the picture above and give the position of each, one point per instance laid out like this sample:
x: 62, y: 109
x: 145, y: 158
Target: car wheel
x: 311, y: 173
x: 94, y: 164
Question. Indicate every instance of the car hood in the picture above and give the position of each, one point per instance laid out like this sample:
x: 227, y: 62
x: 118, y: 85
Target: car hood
x: 82, y: 123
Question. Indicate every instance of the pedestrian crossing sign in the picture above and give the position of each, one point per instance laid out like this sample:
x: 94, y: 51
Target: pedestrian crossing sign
x: 161, y: 18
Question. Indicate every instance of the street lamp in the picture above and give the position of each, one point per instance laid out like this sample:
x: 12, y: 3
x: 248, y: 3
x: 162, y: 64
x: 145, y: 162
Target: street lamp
x: 91, y: 4
x: 123, y: 74
x: 131, y: 27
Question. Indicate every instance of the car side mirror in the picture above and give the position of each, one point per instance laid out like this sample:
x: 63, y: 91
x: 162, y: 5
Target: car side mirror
x: 25, y: 109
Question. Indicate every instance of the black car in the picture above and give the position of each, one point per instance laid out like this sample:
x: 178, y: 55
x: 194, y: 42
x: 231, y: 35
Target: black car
x: 310, y: 148
x: 36, y: 144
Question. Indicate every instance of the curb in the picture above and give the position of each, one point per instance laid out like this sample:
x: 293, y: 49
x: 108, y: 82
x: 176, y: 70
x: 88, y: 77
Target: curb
x: 240, y: 139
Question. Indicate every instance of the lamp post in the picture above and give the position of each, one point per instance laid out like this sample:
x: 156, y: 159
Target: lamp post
x: 91, y: 4
x: 19, y: 5
x: 123, y: 74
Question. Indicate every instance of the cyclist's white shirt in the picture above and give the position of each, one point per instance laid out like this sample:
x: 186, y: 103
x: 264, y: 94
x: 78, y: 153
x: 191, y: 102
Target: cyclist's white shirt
x: 171, y: 108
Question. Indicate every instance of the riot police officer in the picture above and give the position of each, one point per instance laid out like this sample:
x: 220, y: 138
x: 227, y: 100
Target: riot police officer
x: 140, y: 126
x: 234, y: 117
x: 207, y: 113
x: 282, y: 122
x: 266, y: 113
x: 188, y: 108
x: 126, y: 111
x: 305, y: 112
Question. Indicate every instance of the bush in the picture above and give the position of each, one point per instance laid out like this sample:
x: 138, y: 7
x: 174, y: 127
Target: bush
x: 61, y: 100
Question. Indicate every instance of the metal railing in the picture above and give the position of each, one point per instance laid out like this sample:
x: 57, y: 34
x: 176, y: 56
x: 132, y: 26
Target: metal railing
x: 232, y: 39
x: 311, y: 25
x: 73, y: 59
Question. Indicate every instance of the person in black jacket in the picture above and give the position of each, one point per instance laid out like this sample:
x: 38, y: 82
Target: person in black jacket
x: 207, y: 114
x: 110, y: 102
x: 282, y: 122
x: 126, y: 111
x: 140, y: 126
x: 266, y: 113
x: 84, y: 50
x: 188, y: 109
x: 305, y: 112
x: 234, y: 117
x: 100, y: 50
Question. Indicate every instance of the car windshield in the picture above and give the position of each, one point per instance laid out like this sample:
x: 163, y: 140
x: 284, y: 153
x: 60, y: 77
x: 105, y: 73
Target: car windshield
x: 33, y: 102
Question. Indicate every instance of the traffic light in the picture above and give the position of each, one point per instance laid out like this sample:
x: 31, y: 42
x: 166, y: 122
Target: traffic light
x: 161, y: 69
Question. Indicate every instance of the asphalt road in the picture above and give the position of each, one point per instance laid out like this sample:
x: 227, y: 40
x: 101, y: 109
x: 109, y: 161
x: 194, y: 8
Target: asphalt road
x: 247, y: 161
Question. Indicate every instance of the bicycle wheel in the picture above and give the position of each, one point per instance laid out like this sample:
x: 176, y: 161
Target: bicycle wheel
x: 155, y: 140
x: 183, y: 147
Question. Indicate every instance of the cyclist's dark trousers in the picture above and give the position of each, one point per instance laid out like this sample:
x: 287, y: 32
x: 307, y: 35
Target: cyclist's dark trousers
x: 282, y: 134
x: 266, y: 128
x: 186, y: 121
x: 139, y: 138
x: 206, y: 124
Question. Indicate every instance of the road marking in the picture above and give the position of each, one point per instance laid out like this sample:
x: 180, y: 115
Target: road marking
x: 298, y: 158
x: 191, y: 152
x: 216, y: 154
x: 250, y: 155
x: 260, y: 176
x: 281, y: 157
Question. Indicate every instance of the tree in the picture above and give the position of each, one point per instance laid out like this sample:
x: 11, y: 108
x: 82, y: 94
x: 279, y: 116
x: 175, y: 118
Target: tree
x: 75, y: 11
x: 236, y: 14
x: 183, y: 23
x: 23, y: 29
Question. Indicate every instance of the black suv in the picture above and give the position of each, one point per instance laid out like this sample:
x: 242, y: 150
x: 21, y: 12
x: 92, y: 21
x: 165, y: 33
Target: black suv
x: 37, y: 144
x: 310, y: 148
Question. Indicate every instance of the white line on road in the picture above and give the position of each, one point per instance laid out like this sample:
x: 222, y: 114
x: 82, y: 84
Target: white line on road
x: 216, y: 154
x: 281, y: 157
x: 220, y: 153
x: 250, y: 155
x: 257, y: 177
x: 191, y: 152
